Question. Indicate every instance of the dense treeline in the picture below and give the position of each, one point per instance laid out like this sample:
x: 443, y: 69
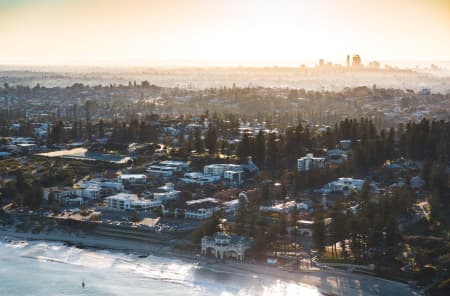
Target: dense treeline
x: 371, y: 147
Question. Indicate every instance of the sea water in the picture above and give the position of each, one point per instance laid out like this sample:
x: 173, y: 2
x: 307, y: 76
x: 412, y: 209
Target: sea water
x: 48, y: 268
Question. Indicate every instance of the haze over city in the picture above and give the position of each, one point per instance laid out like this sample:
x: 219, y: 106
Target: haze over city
x: 229, y: 33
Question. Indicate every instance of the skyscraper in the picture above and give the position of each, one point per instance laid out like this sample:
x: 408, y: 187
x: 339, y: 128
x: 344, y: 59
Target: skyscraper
x: 348, y: 60
x: 356, y: 61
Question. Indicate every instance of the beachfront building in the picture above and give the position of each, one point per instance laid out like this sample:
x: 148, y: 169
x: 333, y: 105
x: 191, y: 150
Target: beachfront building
x: 97, y: 188
x: 63, y: 195
x: 198, y: 209
x: 305, y: 163
x: 201, y: 209
x: 223, y: 246
x: 126, y: 201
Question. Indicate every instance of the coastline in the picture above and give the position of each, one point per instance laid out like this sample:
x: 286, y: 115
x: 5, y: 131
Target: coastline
x: 327, y: 282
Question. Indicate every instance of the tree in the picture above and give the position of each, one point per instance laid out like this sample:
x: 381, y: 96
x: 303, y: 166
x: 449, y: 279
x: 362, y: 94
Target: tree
x: 272, y: 153
x: 244, y: 148
x: 84, y: 211
x: 20, y: 181
x: 101, y: 129
x: 207, y: 228
x: 135, y: 217
x: 34, y: 196
x: 318, y: 231
x: 211, y: 140
x: 260, y: 150
x: 435, y: 204
x: 198, y: 141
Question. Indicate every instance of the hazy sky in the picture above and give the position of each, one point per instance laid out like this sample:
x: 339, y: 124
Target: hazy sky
x: 109, y: 31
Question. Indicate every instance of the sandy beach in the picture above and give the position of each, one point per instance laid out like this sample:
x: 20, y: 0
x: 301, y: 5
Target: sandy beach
x: 328, y: 282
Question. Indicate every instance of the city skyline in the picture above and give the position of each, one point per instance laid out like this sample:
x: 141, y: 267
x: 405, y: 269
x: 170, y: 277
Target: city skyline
x: 221, y: 33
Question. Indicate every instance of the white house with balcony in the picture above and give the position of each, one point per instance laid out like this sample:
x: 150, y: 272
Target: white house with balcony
x: 305, y: 163
x: 224, y: 246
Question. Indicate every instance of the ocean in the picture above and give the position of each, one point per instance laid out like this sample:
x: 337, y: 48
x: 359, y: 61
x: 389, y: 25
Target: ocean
x: 39, y: 268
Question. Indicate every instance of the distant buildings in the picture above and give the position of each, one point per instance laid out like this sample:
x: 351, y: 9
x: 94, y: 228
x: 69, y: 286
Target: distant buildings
x: 356, y: 61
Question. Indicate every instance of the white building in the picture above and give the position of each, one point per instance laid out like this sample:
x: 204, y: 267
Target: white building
x: 231, y: 173
x: 89, y: 190
x: 166, y: 169
x: 345, y: 144
x: 179, y: 166
x: 233, y: 178
x: 223, y: 246
x: 279, y: 207
x: 199, y: 178
x: 336, y: 156
x: 126, y: 201
x: 201, y: 209
x: 166, y: 192
x: 219, y: 169
x: 305, y: 227
x: 97, y: 188
x: 344, y: 185
x: 231, y: 206
x: 160, y: 171
x: 132, y: 179
x: 65, y: 195
x: 305, y: 163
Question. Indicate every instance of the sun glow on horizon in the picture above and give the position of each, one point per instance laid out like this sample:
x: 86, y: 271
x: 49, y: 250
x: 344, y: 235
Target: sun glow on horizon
x: 101, y: 31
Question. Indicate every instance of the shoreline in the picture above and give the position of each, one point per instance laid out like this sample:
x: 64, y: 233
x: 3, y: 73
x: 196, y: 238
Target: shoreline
x: 327, y: 282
